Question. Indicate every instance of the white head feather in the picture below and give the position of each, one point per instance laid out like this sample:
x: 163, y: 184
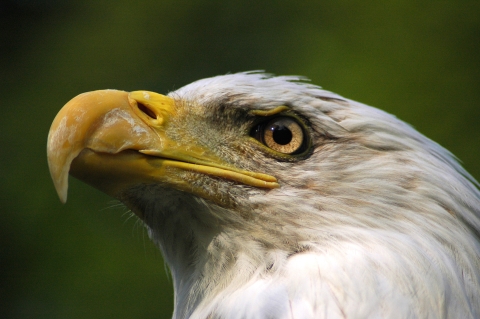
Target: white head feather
x: 378, y: 222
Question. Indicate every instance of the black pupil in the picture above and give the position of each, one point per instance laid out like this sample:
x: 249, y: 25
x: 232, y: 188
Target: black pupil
x: 281, y: 134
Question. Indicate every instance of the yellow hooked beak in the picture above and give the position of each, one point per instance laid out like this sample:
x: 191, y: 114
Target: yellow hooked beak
x: 115, y: 139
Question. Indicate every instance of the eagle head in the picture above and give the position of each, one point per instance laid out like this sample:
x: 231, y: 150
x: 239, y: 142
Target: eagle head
x: 272, y: 198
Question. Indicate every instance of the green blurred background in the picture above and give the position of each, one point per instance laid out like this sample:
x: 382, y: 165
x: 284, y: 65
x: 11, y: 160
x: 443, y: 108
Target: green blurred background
x: 417, y: 59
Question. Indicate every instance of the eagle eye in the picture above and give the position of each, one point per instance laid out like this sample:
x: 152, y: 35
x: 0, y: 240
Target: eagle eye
x: 282, y: 134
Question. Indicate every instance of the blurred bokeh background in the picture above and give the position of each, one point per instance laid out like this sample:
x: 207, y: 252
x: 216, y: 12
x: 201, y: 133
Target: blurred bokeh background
x: 417, y: 59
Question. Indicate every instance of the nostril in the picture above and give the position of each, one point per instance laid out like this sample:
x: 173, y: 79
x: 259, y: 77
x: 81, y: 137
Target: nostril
x: 147, y: 111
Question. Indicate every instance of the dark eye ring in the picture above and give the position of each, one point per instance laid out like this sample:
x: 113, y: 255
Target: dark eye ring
x: 282, y: 134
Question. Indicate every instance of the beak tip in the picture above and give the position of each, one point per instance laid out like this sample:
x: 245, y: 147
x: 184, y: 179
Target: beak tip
x: 62, y: 195
x: 61, y: 187
x: 63, y: 198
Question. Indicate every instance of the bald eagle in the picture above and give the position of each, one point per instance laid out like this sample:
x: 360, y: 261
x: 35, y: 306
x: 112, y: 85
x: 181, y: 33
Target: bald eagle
x: 272, y: 198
